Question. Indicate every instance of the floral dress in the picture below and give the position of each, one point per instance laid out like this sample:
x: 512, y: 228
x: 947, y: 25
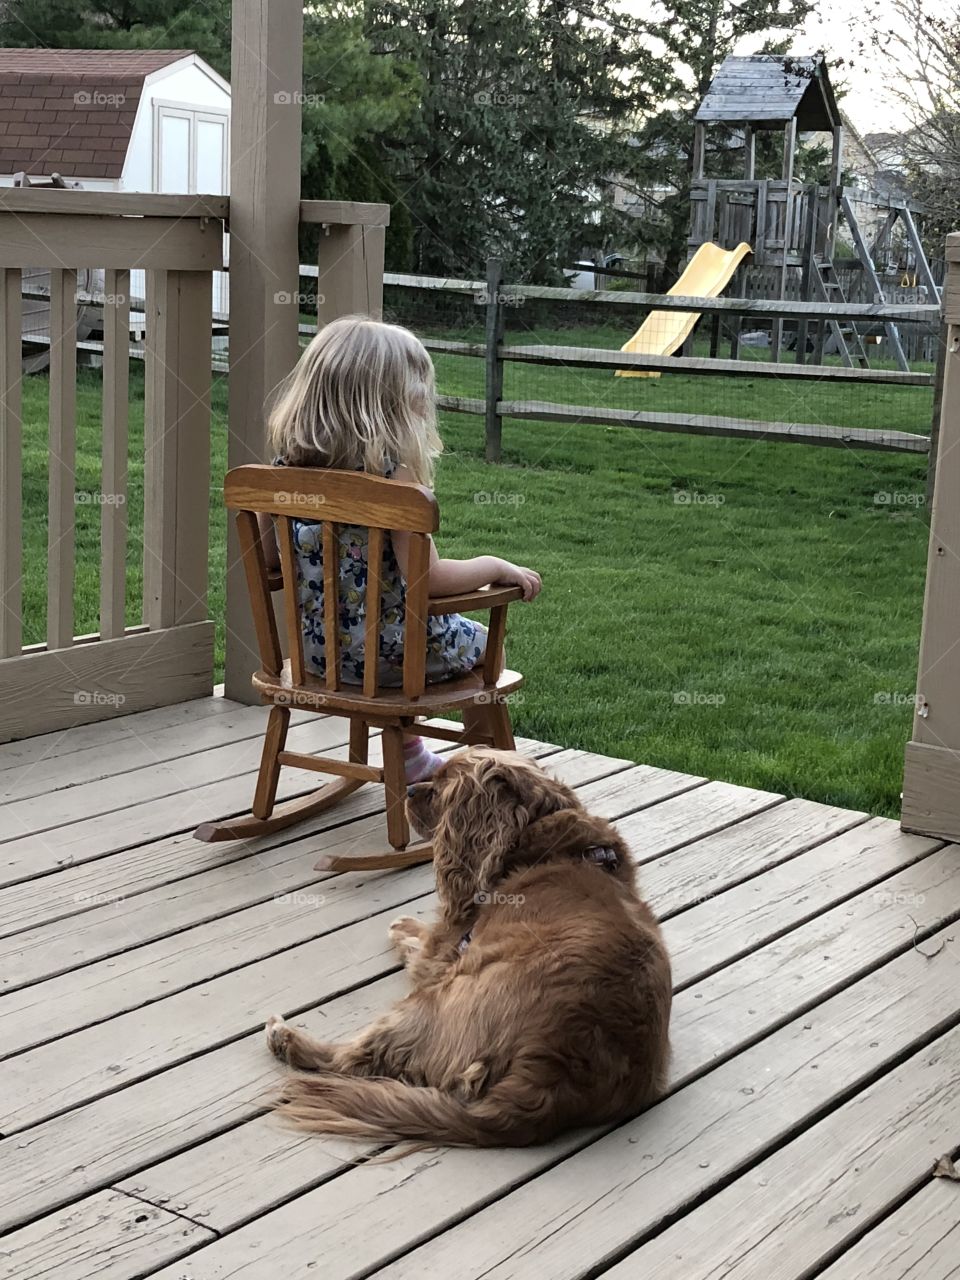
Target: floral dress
x: 455, y: 644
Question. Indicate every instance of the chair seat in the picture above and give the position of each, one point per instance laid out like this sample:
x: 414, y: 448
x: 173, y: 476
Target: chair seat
x: 445, y: 695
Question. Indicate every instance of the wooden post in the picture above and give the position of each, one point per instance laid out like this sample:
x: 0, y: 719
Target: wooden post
x: 266, y: 79
x: 350, y: 272
x: 176, y: 484
x: 931, y: 782
x: 698, y: 160
x: 493, y: 365
x: 749, y: 152
x: 11, y: 483
x: 789, y: 151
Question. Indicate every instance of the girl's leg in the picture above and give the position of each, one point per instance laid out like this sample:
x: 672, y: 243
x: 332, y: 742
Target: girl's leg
x: 419, y: 762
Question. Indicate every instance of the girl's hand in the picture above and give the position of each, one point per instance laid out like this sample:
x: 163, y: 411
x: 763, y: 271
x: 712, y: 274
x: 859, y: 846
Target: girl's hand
x: 515, y: 575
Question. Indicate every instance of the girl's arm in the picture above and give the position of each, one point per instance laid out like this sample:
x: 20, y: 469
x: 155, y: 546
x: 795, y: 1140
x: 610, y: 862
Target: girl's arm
x: 452, y: 577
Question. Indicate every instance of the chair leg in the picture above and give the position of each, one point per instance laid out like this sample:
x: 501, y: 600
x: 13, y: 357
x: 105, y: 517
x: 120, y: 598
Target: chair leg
x: 359, y: 741
x: 395, y: 785
x: 269, y: 776
x: 499, y: 726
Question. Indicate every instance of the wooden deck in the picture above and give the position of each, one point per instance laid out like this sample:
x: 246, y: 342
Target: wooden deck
x: 816, y: 1031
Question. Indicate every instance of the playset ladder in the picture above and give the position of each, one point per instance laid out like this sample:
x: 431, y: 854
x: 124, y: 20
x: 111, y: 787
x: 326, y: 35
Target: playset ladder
x: 829, y: 289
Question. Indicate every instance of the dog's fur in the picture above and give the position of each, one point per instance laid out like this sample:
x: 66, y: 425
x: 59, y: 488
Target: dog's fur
x: 541, y: 996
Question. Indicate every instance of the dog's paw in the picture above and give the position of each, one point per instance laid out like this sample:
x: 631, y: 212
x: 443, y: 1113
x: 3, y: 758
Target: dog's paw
x: 278, y: 1036
x: 406, y: 935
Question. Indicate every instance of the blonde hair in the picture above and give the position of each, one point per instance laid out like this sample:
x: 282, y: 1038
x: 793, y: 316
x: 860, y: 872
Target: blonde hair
x: 362, y: 396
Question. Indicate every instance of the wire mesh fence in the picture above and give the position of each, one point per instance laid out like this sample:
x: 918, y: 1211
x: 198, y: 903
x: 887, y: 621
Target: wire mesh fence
x: 839, y: 375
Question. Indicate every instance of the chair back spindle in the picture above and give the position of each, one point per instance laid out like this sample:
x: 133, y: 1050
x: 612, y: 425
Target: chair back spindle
x: 291, y: 597
x: 376, y: 505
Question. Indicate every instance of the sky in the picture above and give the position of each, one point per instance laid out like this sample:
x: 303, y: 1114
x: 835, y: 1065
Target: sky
x: 840, y: 29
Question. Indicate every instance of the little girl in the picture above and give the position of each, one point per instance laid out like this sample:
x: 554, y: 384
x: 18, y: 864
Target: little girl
x: 362, y: 398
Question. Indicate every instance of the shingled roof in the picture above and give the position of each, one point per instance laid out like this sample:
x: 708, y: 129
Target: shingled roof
x: 71, y: 111
x: 769, y: 90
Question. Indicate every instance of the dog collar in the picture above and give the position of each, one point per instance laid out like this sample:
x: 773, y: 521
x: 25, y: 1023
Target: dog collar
x: 603, y: 855
x: 464, y: 942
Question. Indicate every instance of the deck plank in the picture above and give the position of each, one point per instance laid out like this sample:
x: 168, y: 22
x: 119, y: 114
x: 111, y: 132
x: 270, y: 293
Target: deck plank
x: 918, y: 1241
x: 692, y: 815
x: 173, y: 777
x: 44, y: 852
x: 110, y: 1236
x: 786, y: 1216
x: 727, y: 858
x: 139, y: 749
x: 64, y: 742
x: 788, y: 895
x: 584, y: 1209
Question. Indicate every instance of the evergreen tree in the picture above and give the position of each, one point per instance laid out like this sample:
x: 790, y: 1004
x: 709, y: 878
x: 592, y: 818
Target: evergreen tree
x: 525, y: 113
x: 694, y: 37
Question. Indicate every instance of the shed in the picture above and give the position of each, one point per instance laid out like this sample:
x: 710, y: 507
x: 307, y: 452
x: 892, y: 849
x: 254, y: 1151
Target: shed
x: 768, y: 91
x: 150, y: 120
x: 115, y: 119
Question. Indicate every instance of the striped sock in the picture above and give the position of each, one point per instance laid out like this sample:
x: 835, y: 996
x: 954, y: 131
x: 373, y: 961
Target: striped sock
x: 419, y: 762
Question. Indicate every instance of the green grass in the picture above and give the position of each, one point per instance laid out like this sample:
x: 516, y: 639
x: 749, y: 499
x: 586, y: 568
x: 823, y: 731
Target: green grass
x: 764, y: 632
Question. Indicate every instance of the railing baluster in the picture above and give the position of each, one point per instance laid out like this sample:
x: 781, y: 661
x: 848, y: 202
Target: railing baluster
x: 176, y: 448
x: 113, y: 479
x: 63, y: 430
x: 11, y: 432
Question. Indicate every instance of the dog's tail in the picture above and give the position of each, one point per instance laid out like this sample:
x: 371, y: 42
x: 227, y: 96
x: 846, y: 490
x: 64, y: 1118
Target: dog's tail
x: 386, y: 1110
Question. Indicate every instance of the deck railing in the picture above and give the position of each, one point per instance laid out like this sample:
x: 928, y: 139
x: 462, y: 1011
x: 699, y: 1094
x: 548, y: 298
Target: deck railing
x: 168, y: 655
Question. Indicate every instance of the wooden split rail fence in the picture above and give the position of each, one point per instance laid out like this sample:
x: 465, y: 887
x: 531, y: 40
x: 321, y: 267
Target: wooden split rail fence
x: 496, y: 353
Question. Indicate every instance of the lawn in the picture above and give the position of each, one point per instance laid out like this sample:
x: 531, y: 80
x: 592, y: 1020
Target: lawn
x: 735, y: 609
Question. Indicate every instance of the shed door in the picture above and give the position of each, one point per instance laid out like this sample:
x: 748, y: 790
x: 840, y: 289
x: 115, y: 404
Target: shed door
x: 191, y: 155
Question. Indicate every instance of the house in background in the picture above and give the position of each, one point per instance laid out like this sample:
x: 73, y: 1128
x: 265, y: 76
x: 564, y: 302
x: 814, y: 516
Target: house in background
x: 152, y: 120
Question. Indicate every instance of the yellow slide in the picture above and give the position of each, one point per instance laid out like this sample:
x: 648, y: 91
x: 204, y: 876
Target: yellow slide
x: 708, y: 273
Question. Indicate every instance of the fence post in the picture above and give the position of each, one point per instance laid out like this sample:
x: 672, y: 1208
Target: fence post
x: 940, y: 370
x: 493, y: 365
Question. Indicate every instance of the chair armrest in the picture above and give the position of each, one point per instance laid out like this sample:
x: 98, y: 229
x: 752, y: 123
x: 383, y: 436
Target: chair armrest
x: 470, y: 601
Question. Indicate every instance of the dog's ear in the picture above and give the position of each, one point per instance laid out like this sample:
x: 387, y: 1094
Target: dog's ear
x: 481, y: 819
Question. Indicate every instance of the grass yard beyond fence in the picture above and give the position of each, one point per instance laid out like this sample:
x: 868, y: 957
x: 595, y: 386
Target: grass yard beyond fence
x: 735, y: 609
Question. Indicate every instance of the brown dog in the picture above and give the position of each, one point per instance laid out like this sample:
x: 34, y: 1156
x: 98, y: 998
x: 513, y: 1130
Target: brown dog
x: 541, y: 996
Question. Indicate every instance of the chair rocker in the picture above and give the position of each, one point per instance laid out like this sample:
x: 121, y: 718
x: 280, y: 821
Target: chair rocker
x: 378, y: 505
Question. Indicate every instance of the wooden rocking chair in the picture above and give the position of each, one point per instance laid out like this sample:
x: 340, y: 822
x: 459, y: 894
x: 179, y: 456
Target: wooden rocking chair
x: 379, y: 505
